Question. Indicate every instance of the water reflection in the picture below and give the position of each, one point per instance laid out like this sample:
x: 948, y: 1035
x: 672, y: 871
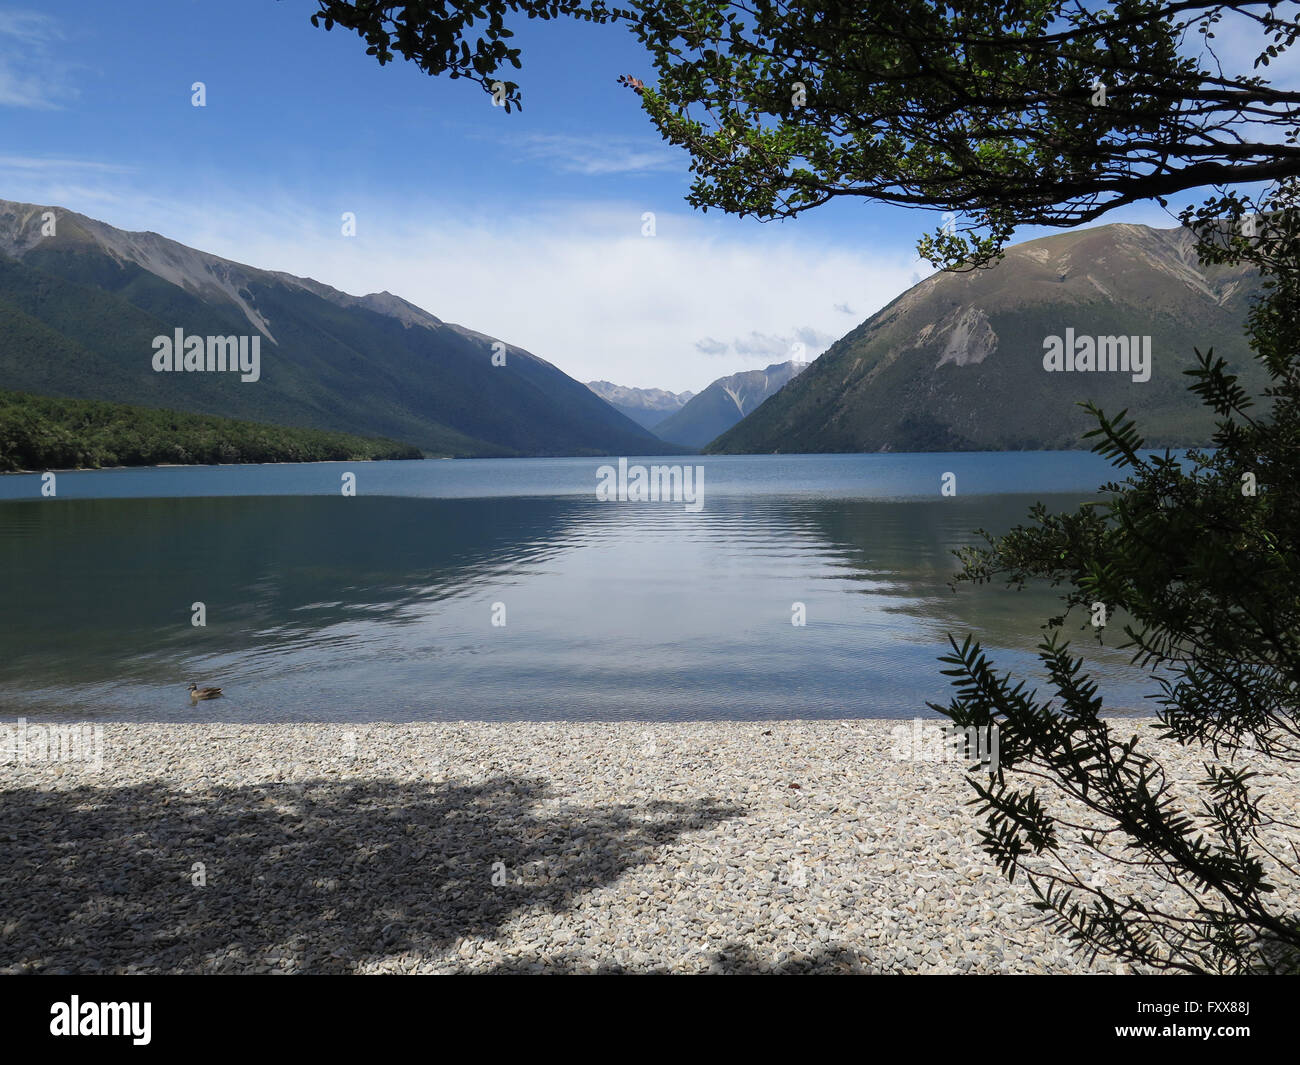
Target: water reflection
x: 332, y: 608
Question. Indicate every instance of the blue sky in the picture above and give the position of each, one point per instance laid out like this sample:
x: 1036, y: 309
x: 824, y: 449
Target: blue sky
x: 527, y: 226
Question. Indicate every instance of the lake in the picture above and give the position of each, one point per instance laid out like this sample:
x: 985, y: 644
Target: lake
x: 381, y: 606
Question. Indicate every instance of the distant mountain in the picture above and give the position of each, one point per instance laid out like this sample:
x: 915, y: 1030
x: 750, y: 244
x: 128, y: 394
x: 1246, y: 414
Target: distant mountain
x: 645, y: 406
x: 957, y: 362
x: 724, y: 403
x: 80, y: 308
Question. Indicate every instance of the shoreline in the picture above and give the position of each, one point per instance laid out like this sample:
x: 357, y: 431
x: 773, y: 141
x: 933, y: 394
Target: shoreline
x: 509, y: 847
x: 475, y: 458
x: 205, y: 465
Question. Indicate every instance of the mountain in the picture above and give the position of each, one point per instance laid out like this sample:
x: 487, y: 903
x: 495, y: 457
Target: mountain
x: 724, y: 403
x: 80, y: 309
x: 645, y: 406
x: 957, y: 362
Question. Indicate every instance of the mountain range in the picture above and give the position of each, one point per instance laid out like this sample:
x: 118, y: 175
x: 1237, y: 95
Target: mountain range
x: 645, y: 406
x: 724, y: 403
x: 955, y: 363
x: 958, y: 361
x: 82, y: 303
x: 690, y: 420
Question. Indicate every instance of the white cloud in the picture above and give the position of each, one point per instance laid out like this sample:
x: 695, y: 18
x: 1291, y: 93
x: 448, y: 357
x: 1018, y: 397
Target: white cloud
x: 709, y: 346
x: 801, y: 343
x: 815, y: 338
x: 762, y: 345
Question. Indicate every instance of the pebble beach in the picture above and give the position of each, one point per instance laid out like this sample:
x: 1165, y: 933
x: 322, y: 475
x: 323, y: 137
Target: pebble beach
x: 522, y: 847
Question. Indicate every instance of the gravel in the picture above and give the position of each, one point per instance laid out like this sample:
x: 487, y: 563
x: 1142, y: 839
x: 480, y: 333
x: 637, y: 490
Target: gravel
x: 482, y: 847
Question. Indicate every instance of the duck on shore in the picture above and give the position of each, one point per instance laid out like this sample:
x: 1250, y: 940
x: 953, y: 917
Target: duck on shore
x: 197, y: 693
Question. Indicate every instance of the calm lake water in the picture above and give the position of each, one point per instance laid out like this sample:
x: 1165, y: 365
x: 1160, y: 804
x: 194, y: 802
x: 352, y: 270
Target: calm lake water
x: 322, y: 607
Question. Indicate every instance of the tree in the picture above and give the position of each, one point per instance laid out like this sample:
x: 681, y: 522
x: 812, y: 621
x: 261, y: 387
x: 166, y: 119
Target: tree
x: 433, y: 34
x: 1047, y: 112
x: 1003, y: 112
x: 1202, y: 554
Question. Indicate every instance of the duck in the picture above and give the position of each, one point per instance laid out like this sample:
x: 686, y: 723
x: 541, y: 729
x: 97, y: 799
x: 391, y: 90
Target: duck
x: 197, y: 693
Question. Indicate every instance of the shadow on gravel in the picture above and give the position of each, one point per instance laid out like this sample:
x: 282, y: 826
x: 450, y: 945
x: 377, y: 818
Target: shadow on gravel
x: 325, y: 875
x: 733, y: 959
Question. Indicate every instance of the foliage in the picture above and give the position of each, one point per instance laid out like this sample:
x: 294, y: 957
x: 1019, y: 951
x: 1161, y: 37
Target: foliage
x: 1003, y: 112
x: 1045, y: 112
x: 1201, y: 554
x: 37, y: 432
x: 434, y: 34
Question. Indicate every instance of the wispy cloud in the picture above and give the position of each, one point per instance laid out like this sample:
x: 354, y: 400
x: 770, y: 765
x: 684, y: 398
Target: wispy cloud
x: 28, y: 27
x: 57, y: 181
x: 29, y: 163
x: 598, y: 156
x: 32, y: 74
x: 802, y: 342
x: 814, y: 338
x: 764, y: 345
